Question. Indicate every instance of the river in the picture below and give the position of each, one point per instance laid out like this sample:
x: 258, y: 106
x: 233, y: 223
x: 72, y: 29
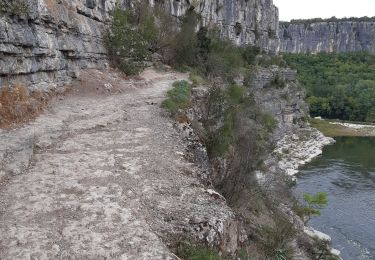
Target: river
x: 346, y: 172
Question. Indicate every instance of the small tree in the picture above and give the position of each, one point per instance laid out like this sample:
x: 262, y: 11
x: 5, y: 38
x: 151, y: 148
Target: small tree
x: 314, y: 205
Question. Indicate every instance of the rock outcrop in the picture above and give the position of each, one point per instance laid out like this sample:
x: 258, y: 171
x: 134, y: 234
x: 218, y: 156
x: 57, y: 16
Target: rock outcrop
x: 326, y: 36
x: 46, y: 48
x: 243, y: 22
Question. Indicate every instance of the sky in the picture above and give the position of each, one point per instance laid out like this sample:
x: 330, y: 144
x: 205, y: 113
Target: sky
x: 305, y: 9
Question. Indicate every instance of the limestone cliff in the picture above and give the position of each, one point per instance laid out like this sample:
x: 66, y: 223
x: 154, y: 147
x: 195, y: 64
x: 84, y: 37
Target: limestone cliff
x: 46, y: 48
x: 327, y: 36
x: 244, y: 21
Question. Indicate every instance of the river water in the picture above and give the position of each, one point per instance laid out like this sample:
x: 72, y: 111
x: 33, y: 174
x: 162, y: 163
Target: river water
x: 346, y: 172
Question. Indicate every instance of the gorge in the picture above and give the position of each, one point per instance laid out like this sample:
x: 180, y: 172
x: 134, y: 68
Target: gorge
x: 164, y: 164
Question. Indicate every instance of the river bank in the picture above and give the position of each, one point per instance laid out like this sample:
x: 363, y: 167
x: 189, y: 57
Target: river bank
x: 295, y: 150
x: 334, y: 128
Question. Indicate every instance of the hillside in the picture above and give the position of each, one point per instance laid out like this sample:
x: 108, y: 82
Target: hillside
x: 340, y: 86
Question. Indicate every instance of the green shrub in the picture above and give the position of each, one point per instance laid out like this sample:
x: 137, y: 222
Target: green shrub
x: 195, y: 79
x: 191, y: 251
x: 127, y: 46
x: 14, y: 7
x: 277, y: 82
x: 249, y: 53
x: 178, y: 97
x: 186, y: 42
x: 275, y: 240
x: 244, y: 126
x: 313, y: 205
x: 134, y: 34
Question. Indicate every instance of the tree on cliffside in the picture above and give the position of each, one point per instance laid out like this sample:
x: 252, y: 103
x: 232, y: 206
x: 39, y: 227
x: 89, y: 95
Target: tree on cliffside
x: 314, y: 205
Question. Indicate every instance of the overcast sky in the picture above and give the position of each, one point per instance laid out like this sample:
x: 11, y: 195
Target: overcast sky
x: 304, y: 9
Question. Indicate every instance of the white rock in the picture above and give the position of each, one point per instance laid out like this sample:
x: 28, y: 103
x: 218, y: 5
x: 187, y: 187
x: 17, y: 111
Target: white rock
x: 317, y: 234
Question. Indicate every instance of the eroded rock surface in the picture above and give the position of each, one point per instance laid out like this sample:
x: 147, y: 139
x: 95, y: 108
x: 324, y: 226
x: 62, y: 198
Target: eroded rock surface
x: 104, y: 177
x: 47, y: 48
x: 340, y: 36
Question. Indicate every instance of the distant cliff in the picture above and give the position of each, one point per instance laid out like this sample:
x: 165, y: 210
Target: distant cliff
x: 327, y: 36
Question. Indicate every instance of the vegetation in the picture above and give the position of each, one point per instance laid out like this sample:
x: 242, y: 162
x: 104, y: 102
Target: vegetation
x: 332, y: 129
x: 332, y: 19
x: 14, y: 7
x: 313, y: 205
x: 178, y: 97
x: 276, y: 239
x: 340, y: 86
x: 17, y: 104
x: 136, y: 33
x: 191, y: 251
x: 233, y: 127
x: 244, y: 125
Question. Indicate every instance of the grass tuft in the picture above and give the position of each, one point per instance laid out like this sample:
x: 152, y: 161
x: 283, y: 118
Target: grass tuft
x: 179, y: 97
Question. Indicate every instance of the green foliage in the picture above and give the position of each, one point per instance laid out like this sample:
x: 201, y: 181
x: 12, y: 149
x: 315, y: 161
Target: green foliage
x: 314, y: 205
x: 267, y: 61
x: 332, y: 19
x: 224, y: 59
x: 249, y: 53
x: 340, y: 86
x: 190, y: 251
x: 275, y: 240
x: 196, y: 79
x: 206, y: 51
x: 178, y: 97
x: 136, y: 33
x: 14, y: 7
x: 277, y: 82
x: 126, y: 43
x: 244, y: 126
x: 186, y: 41
x: 243, y: 255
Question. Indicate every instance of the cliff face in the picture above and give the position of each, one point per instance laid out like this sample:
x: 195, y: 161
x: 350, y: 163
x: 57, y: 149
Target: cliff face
x: 46, y: 49
x: 244, y: 21
x: 341, y: 36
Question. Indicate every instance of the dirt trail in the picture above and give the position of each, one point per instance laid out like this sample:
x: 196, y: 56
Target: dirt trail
x: 102, y: 177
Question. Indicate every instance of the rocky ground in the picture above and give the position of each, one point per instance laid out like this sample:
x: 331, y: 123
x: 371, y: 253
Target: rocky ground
x: 101, y: 174
x: 294, y: 151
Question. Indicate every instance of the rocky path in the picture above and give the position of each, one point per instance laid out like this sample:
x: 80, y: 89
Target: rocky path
x: 103, y: 177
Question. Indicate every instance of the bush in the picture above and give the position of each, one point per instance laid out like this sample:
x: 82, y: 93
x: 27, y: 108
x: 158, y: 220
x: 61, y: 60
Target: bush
x: 275, y: 240
x: 277, y: 82
x: 136, y: 33
x: 14, y: 7
x: 249, y: 53
x: 126, y: 43
x: 179, y: 97
x: 195, y: 79
x: 17, y: 105
x: 186, y: 42
x: 191, y: 251
x: 313, y: 205
x: 244, y: 126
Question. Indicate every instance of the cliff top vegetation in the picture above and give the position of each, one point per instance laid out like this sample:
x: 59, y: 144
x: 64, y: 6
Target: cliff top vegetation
x: 328, y: 20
